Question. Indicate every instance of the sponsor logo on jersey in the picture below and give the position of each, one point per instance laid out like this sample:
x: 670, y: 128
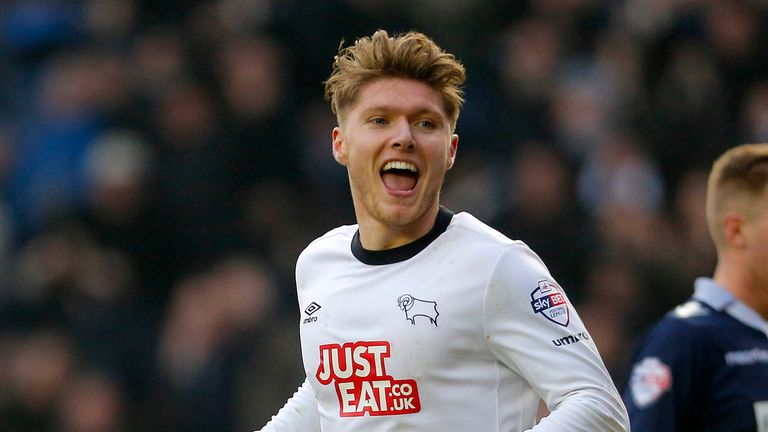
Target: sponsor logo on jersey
x: 414, y: 307
x: 650, y: 379
x: 311, y: 309
x: 548, y: 301
x: 746, y: 357
x: 359, y: 374
x: 572, y: 338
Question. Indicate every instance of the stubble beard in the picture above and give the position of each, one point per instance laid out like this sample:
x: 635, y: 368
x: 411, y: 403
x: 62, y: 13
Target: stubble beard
x: 406, y: 214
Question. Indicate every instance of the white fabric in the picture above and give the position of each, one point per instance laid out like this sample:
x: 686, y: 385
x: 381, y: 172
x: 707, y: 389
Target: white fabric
x: 471, y: 345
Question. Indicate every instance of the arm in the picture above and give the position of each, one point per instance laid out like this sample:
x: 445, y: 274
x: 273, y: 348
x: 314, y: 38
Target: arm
x: 298, y: 415
x: 533, y: 329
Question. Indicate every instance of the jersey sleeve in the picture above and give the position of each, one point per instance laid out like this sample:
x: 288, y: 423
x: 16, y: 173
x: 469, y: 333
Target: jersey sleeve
x: 662, y: 387
x: 533, y: 329
x: 299, y: 414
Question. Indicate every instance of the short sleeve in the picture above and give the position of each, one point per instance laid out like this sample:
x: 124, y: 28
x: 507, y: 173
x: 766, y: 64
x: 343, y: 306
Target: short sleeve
x: 532, y: 327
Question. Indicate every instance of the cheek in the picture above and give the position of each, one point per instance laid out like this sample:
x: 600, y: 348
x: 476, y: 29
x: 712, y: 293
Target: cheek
x: 358, y: 167
x: 760, y: 254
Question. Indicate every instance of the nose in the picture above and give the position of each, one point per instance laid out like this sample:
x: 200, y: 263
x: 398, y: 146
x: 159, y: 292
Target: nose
x: 403, y: 137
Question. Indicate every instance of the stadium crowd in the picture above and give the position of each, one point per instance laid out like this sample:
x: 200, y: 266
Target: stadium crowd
x: 163, y: 163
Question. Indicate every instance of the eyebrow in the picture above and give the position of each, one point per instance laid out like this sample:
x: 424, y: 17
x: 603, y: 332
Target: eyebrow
x: 390, y: 108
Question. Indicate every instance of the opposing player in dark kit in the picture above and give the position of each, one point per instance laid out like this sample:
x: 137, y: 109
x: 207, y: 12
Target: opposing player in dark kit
x: 704, y: 366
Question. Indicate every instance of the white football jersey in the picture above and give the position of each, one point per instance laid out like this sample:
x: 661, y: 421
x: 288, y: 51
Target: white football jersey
x: 462, y: 330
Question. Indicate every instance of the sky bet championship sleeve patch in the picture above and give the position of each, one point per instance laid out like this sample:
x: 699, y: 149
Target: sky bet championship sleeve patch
x: 650, y: 379
x: 548, y: 301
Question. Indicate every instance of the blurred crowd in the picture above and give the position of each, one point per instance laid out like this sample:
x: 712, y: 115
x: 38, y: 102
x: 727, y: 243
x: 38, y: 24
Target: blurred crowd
x: 163, y: 163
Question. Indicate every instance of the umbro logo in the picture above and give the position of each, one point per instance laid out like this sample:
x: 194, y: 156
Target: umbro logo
x: 311, y: 309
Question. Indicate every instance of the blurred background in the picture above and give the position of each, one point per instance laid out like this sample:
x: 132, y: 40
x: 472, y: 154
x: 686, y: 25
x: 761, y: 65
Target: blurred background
x: 163, y: 163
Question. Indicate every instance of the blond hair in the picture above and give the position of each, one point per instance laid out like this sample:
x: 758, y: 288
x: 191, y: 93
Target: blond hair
x: 411, y: 55
x: 737, y: 183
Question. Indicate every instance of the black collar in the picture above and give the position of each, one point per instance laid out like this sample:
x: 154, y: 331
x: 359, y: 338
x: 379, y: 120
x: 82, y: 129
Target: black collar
x: 406, y: 251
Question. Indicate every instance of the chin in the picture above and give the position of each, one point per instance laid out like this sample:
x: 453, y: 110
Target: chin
x: 400, y: 214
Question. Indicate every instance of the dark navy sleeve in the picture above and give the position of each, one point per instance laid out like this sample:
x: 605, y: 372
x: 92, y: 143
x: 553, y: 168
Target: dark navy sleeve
x: 662, y: 388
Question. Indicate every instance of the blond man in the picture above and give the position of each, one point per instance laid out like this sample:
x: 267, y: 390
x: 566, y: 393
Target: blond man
x: 704, y: 366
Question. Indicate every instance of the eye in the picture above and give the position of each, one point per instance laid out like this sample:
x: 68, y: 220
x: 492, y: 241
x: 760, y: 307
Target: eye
x: 379, y: 121
x: 426, y: 124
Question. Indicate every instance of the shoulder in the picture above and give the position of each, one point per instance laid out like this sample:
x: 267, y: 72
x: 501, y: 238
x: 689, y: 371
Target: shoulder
x: 510, y: 259
x: 341, y: 233
x: 476, y: 242
x: 690, y: 317
x: 675, y: 356
x: 683, y: 329
x: 692, y: 314
x: 334, y: 243
x: 473, y: 229
x: 684, y: 319
x: 474, y: 234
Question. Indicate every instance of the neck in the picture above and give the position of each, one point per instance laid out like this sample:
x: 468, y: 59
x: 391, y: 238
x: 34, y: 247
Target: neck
x: 740, y: 282
x: 379, y: 235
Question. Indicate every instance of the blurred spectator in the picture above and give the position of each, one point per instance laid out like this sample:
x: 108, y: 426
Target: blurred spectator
x: 279, y: 229
x: 110, y: 22
x: 214, y: 328
x: 47, y: 179
x: 39, y: 368
x: 733, y: 30
x: 530, y: 53
x: 471, y: 174
x: 32, y: 28
x: 254, y: 77
x: 91, y: 402
x: 613, y: 309
x: 689, y: 129
x: 317, y: 168
x: 585, y: 108
x: 753, y: 123
x: 159, y: 63
x: 193, y: 202
x: 120, y: 170
x: 621, y: 174
x: 696, y: 253
x: 544, y: 213
x: 65, y: 279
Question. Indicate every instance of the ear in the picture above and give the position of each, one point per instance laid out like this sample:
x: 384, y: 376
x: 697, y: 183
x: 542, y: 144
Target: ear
x: 452, y: 150
x: 733, y: 228
x: 339, y: 146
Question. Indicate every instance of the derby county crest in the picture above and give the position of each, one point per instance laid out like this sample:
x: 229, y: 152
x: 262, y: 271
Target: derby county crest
x: 414, y: 307
x: 547, y: 300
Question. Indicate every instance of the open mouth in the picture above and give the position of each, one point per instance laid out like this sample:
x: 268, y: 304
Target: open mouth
x: 400, y: 176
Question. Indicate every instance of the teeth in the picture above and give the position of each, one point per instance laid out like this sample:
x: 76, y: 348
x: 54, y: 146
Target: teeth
x: 399, y: 165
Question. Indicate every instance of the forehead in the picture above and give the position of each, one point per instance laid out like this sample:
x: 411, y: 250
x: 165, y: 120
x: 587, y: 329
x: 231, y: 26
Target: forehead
x: 398, y: 94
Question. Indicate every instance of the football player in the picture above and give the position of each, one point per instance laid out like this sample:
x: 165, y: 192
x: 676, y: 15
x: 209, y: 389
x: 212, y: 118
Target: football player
x: 704, y: 366
x: 418, y: 318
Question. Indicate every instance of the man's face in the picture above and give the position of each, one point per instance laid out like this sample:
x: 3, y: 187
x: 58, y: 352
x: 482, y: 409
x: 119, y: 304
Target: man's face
x: 397, y: 145
x: 756, y: 231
